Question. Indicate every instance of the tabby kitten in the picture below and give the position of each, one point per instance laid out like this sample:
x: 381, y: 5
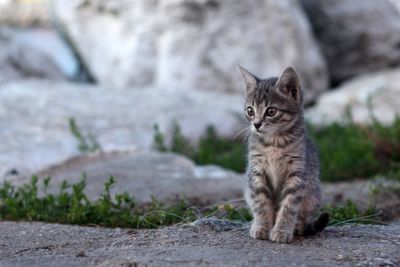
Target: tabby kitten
x: 283, y: 189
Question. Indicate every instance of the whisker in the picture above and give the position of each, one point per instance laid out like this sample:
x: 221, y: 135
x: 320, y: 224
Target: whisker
x: 246, y: 137
x: 245, y: 133
x: 242, y: 131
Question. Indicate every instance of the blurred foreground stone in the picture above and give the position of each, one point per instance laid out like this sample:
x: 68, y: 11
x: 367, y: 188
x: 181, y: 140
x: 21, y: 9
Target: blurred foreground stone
x: 39, y: 244
x: 192, y: 44
x: 357, y: 36
x: 165, y: 176
x: 374, y: 93
x: 34, y: 119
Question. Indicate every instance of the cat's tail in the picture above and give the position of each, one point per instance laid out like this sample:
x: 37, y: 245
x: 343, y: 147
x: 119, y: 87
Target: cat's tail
x: 318, y: 225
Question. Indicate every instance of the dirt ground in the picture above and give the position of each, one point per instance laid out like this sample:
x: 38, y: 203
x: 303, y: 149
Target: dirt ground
x: 39, y: 244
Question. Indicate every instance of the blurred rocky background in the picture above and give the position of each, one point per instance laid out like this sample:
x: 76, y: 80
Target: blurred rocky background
x: 148, y: 91
x: 123, y: 70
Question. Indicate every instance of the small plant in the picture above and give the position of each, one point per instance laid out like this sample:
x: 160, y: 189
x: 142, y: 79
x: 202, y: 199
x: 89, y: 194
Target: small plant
x: 350, y: 213
x: 86, y: 143
x: 233, y: 213
x: 179, y: 143
x: 159, y: 139
x: 211, y: 149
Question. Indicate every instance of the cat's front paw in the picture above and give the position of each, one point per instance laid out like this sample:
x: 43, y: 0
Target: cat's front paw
x: 259, y: 231
x: 281, y: 236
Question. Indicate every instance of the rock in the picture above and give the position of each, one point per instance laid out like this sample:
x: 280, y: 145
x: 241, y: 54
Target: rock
x: 24, y: 13
x: 192, y: 44
x: 396, y: 4
x: 375, y: 93
x: 218, y: 225
x: 34, y: 116
x: 165, y: 176
x: 356, y: 37
x: 42, y: 53
x: 39, y: 53
x: 39, y: 244
x: 7, y: 70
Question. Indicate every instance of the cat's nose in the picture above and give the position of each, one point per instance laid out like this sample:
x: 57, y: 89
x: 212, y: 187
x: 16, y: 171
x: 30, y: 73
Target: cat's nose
x: 257, y: 125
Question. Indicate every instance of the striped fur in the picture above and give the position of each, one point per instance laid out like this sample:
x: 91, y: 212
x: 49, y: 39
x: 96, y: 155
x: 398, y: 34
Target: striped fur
x: 283, y: 189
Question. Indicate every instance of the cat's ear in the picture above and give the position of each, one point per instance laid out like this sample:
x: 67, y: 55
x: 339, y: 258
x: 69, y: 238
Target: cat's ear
x: 249, y: 79
x: 289, y: 84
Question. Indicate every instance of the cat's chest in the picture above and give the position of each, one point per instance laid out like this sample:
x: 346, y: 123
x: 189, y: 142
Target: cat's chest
x: 271, y: 163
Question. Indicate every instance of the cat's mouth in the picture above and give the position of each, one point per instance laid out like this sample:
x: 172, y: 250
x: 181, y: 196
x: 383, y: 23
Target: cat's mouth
x: 257, y: 131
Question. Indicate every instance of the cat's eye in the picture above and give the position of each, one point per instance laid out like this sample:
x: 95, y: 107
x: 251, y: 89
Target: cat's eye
x: 271, y: 112
x: 250, y: 111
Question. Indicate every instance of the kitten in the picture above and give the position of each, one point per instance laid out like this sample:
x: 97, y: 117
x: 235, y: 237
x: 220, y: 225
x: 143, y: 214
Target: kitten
x: 283, y: 189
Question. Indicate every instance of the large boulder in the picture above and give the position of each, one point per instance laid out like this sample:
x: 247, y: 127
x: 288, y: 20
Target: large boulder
x: 165, y: 176
x: 35, y: 130
x: 192, y: 44
x: 356, y: 36
x: 374, y: 94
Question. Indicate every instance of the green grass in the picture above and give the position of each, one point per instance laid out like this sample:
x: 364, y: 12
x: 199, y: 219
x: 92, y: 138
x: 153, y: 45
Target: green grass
x: 71, y: 206
x: 358, y: 152
x: 33, y: 202
x: 347, y: 152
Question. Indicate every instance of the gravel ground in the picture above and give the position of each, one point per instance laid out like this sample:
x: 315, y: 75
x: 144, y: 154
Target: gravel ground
x: 40, y: 244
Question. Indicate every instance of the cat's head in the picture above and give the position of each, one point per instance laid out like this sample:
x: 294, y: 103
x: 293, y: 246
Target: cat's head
x: 272, y: 105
